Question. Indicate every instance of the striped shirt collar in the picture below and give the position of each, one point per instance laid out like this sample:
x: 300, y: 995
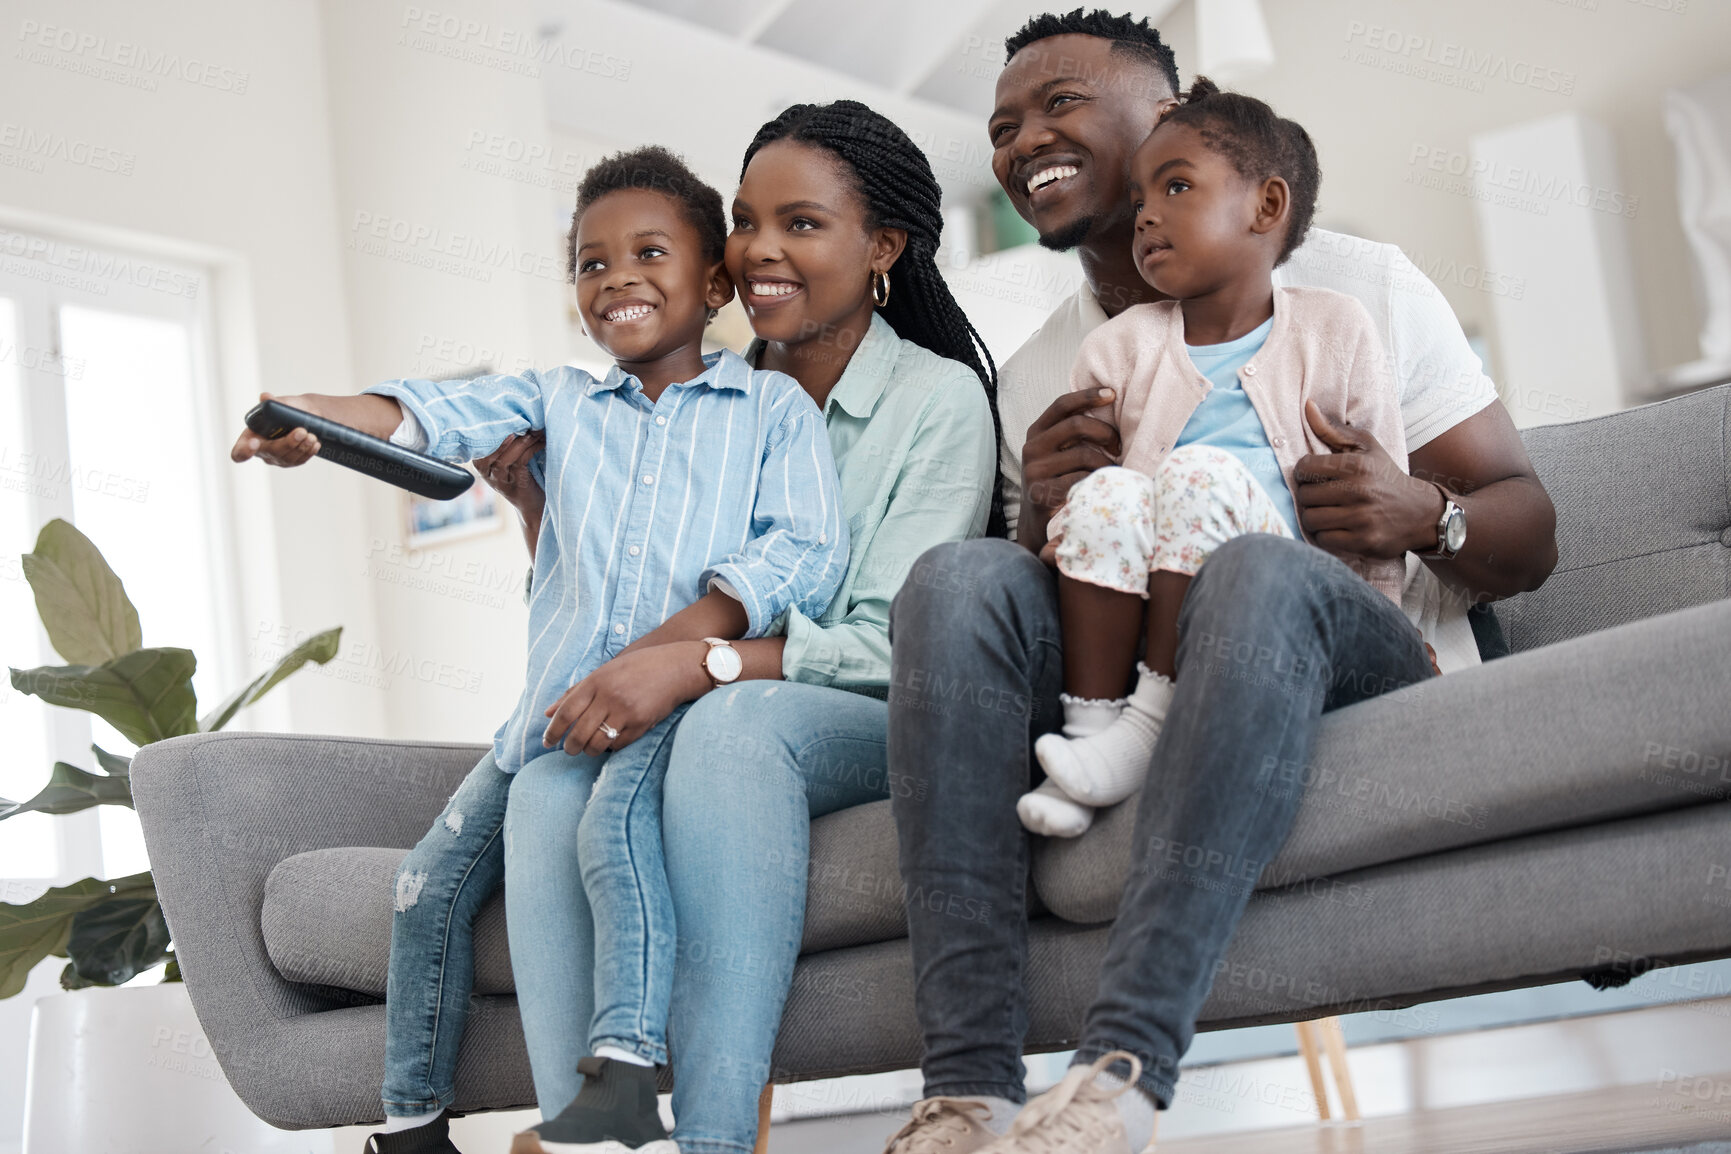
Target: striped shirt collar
x: 723, y: 370
x: 868, y: 371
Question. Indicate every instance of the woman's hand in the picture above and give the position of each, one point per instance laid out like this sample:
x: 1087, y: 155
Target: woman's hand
x: 630, y: 694
x: 507, y: 470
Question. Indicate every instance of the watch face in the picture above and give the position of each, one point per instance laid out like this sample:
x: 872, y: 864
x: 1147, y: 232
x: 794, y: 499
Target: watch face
x: 723, y: 663
x: 1457, y: 532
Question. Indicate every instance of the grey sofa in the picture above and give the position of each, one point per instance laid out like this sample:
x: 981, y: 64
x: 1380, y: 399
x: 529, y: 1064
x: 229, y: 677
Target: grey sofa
x: 1552, y: 814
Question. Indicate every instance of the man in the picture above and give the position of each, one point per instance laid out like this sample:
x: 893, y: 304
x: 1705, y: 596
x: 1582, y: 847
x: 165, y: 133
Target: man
x: 1272, y: 630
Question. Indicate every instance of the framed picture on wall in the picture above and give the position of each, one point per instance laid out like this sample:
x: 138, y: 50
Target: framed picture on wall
x: 432, y: 522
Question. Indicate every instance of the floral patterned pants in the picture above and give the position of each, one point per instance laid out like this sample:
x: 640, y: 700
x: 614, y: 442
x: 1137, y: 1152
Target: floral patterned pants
x: 1120, y: 525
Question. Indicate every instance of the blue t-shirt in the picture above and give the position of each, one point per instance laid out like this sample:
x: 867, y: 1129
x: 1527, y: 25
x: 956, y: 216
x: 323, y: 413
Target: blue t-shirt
x: 1226, y: 419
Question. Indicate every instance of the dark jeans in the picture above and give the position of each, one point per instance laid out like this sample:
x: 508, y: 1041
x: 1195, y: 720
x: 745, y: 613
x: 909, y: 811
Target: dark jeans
x: 1273, y: 634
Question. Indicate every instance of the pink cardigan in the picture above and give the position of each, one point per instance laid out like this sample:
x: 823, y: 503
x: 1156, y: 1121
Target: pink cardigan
x: 1323, y: 347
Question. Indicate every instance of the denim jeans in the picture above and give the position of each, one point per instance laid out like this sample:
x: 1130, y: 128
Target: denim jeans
x: 1272, y: 634
x: 441, y: 886
x: 587, y: 908
x: 750, y: 765
x: 625, y: 878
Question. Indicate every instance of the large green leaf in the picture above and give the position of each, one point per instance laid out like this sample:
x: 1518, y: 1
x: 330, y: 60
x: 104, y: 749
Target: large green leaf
x: 112, y: 763
x: 82, y: 603
x: 71, y: 789
x: 146, y: 695
x: 319, y: 648
x: 112, y: 943
x: 29, y: 933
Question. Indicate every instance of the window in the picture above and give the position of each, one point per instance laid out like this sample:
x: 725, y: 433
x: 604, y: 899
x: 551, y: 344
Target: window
x: 107, y: 410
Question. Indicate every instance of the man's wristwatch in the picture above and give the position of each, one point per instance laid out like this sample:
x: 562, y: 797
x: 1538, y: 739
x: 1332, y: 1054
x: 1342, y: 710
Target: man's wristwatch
x: 1451, y: 530
x: 722, y: 662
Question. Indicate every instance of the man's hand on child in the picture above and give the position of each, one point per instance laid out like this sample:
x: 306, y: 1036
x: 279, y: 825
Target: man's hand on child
x: 628, y: 695
x: 1066, y: 443
x: 296, y: 447
x: 1356, y: 501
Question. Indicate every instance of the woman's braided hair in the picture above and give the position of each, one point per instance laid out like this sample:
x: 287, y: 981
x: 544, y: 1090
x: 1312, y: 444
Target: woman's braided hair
x: 895, y: 181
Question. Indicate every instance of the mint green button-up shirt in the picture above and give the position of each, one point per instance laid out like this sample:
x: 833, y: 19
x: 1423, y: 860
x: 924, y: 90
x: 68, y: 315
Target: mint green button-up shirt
x: 911, y: 433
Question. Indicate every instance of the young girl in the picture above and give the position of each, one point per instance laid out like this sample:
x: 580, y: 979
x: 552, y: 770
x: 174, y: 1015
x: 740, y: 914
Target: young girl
x: 1218, y: 393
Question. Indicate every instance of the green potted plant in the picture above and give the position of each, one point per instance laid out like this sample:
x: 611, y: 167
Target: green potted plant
x: 109, y: 930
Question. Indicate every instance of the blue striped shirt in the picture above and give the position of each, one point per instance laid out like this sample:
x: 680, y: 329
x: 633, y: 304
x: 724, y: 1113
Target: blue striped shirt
x: 727, y: 477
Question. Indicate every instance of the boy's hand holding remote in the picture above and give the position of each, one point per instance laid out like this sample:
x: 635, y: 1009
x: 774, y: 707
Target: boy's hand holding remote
x: 375, y: 415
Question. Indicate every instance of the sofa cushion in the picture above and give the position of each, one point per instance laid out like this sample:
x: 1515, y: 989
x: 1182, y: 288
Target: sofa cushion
x: 1631, y: 720
x: 327, y: 914
x: 327, y: 921
x: 1643, y: 503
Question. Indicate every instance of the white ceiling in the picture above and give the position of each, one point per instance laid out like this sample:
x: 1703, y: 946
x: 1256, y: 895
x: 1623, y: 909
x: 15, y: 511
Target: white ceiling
x: 944, y: 51
x: 705, y: 73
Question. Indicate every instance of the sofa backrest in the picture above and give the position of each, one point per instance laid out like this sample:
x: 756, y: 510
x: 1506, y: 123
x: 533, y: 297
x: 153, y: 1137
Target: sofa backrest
x: 1643, y: 517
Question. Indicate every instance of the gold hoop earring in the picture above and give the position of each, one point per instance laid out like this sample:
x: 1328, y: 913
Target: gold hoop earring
x: 881, y: 288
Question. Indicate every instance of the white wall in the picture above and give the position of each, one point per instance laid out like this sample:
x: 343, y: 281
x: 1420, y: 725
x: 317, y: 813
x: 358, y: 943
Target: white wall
x: 241, y: 181
x: 1368, y: 120
x: 423, y: 144
x: 242, y: 178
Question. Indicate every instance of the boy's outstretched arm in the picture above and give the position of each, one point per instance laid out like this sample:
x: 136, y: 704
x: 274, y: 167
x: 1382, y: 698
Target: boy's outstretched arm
x: 372, y: 414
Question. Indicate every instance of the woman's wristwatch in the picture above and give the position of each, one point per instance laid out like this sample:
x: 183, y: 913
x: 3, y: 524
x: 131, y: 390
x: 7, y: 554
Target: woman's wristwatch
x: 722, y: 662
x: 1451, y: 530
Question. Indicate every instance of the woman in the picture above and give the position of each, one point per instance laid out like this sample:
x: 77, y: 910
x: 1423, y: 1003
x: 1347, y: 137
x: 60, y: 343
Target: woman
x: 835, y: 230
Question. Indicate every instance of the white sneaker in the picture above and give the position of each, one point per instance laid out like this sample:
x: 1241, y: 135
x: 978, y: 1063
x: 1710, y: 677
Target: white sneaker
x: 942, y: 1126
x: 1074, y: 1117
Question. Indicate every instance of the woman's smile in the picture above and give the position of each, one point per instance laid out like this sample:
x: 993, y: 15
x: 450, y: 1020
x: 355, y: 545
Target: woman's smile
x: 763, y: 292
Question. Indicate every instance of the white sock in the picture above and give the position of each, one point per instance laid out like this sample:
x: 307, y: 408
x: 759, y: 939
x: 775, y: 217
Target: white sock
x: 1050, y: 812
x: 1086, y: 716
x: 1107, y: 766
x: 1003, y: 1112
x: 619, y: 1055
x: 1135, y: 1109
x: 395, y: 1122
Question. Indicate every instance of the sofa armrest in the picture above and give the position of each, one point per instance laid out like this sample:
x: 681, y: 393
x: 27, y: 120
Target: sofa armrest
x: 219, y: 812
x: 1643, y: 517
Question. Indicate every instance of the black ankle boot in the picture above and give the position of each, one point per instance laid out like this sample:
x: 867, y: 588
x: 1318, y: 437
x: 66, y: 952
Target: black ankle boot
x: 616, y: 1109
x: 432, y: 1138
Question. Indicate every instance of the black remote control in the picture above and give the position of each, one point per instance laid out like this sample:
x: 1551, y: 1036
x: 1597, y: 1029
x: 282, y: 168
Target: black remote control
x: 418, y: 473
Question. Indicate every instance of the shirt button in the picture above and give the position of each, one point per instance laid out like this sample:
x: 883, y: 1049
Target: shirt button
x: 661, y: 420
x: 1279, y: 441
x: 649, y: 478
x: 823, y: 538
x: 619, y: 629
x: 1250, y: 370
x: 635, y: 550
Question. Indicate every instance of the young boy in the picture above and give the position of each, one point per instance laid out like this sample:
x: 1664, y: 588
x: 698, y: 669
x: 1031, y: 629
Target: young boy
x: 689, y: 499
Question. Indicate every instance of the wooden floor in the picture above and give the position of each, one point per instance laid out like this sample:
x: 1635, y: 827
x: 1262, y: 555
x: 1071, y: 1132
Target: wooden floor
x: 1620, y: 1119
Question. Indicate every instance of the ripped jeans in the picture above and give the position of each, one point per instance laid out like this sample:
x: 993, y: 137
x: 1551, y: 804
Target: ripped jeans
x: 441, y: 885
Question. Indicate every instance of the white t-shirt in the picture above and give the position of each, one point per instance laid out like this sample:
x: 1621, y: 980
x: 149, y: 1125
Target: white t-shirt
x: 1439, y: 381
